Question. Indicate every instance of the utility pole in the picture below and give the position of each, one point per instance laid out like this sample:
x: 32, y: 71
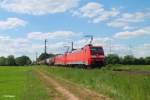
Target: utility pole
x: 36, y: 57
x: 45, y: 49
x: 72, y: 46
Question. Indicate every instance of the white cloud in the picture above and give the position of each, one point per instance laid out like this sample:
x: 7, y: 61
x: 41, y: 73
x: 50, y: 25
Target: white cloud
x: 90, y: 10
x: 52, y: 35
x: 19, y: 47
x: 57, y: 48
x: 11, y: 23
x: 121, y: 50
x: 127, y: 34
x: 142, y: 50
x: 129, y: 27
x: 38, y: 7
x: 128, y: 18
x: 106, y: 15
x: 95, y: 12
x: 11, y: 46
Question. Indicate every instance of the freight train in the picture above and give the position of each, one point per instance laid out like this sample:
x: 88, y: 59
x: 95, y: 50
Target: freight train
x: 89, y: 56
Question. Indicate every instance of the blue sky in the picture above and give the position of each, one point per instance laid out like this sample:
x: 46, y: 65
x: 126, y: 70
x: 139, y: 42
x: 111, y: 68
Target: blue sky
x: 24, y: 24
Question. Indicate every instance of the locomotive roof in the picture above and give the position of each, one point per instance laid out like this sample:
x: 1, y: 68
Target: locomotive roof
x: 90, y: 45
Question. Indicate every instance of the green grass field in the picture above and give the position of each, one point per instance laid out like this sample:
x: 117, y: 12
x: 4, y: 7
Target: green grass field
x: 21, y: 83
x: 128, y: 67
x: 117, y: 85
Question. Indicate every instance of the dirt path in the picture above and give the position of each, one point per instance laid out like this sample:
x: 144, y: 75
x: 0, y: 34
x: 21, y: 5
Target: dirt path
x: 81, y: 92
x: 67, y: 89
x: 49, y: 80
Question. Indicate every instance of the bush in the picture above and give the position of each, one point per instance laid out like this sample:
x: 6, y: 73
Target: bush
x: 147, y: 60
x: 126, y: 60
x: 112, y: 59
x: 2, y: 61
x: 10, y: 61
x: 23, y: 60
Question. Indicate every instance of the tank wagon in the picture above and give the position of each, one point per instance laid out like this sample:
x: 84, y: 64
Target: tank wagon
x: 88, y: 56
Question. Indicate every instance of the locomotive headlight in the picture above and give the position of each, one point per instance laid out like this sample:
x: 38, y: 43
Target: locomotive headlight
x: 101, y: 56
x: 93, y: 56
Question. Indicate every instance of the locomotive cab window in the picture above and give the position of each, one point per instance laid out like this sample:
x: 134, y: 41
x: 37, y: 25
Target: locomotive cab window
x: 96, y: 49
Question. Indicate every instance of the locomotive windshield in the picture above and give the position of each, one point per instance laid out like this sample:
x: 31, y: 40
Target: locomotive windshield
x: 96, y: 49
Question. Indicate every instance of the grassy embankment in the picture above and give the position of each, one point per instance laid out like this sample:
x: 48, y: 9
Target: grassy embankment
x: 117, y: 85
x: 20, y: 83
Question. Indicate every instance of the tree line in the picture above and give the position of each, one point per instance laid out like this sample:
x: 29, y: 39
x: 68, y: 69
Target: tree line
x: 127, y: 60
x: 12, y: 61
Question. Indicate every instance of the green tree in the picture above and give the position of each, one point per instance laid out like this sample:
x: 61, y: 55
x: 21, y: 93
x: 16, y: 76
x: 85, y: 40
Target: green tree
x: 10, y: 61
x: 129, y: 59
x: 139, y: 61
x: 112, y: 59
x: 147, y: 60
x: 23, y: 60
x: 45, y: 56
x: 2, y: 61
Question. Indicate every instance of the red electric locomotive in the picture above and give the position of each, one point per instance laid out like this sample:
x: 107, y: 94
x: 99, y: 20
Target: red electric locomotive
x: 90, y: 56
